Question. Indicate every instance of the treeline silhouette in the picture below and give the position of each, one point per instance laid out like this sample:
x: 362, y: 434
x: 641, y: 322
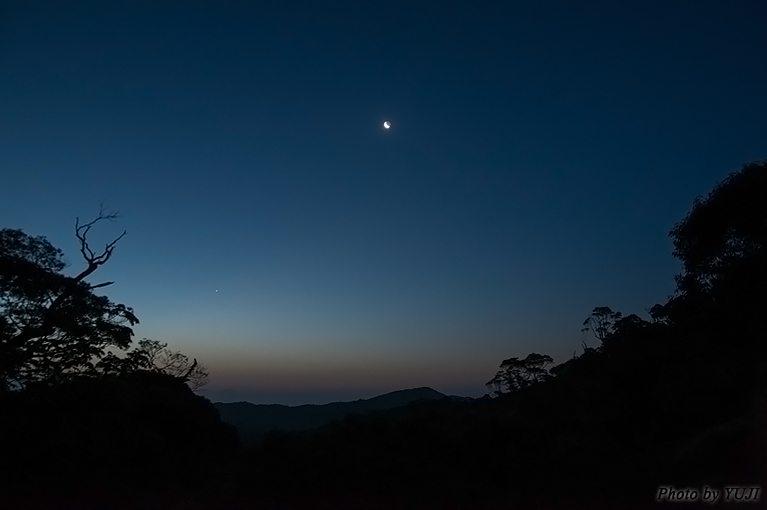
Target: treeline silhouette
x: 677, y: 399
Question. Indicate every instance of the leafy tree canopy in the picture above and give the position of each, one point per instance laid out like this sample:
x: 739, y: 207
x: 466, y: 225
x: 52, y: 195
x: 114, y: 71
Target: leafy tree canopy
x: 516, y: 374
x: 53, y: 326
x: 602, y: 322
x: 722, y: 244
x: 724, y: 229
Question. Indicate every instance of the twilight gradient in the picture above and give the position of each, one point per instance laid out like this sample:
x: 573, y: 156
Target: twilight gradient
x: 539, y: 154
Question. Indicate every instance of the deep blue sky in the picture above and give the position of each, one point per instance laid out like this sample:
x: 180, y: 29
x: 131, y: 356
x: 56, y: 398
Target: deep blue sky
x: 540, y: 153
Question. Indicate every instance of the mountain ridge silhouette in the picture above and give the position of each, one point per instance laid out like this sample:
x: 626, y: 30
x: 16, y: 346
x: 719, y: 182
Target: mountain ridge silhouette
x: 255, y: 421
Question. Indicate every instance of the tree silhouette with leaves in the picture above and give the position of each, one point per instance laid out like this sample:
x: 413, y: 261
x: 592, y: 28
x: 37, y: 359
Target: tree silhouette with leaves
x: 54, y: 326
x: 602, y: 323
x: 723, y: 230
x: 722, y: 244
x: 516, y: 374
x: 153, y: 356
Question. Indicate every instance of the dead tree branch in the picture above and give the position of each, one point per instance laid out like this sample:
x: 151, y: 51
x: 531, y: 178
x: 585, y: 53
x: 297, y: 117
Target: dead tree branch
x: 93, y: 260
x: 185, y: 377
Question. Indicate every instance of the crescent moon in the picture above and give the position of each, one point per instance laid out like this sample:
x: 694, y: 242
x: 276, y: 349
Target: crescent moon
x: 387, y: 124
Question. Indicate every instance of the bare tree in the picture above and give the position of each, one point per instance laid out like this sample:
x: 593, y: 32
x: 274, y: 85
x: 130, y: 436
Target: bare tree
x: 93, y: 260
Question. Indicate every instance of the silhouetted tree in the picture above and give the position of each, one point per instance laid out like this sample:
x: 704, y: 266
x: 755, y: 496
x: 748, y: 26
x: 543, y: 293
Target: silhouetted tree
x: 52, y: 325
x: 721, y: 243
x: 723, y: 231
x: 630, y: 323
x: 721, y: 296
x: 516, y: 374
x: 601, y: 322
x: 153, y: 356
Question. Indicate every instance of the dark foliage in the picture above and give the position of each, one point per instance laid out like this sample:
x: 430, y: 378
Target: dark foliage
x: 724, y: 233
x: 602, y: 323
x: 53, y: 326
x: 154, y: 356
x: 722, y: 243
x: 516, y: 374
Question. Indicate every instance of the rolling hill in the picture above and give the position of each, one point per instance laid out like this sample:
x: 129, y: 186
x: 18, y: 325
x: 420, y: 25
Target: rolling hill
x: 254, y: 421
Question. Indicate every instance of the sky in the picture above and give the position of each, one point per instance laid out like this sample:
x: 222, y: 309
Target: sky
x: 539, y: 153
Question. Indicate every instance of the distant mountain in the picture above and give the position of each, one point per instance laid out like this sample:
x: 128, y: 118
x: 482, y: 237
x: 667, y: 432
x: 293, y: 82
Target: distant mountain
x: 254, y: 421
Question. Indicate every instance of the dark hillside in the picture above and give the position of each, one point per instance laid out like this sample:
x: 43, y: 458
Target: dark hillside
x: 254, y: 421
x: 143, y: 433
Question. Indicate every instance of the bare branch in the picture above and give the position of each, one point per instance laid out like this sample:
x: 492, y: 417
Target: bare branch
x: 93, y: 260
x: 100, y: 285
x: 189, y: 372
